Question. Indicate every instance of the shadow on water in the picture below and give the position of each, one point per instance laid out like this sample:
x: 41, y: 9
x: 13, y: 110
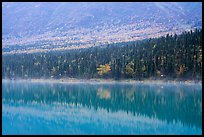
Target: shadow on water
x: 170, y: 103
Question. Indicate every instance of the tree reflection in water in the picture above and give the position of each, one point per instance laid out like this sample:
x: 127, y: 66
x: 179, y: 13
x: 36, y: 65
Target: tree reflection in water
x: 167, y: 102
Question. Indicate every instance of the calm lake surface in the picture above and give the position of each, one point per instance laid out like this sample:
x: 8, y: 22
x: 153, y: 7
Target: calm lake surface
x: 93, y: 108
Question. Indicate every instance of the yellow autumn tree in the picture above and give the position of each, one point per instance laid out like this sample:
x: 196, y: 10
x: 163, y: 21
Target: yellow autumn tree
x: 103, y: 69
x: 129, y: 68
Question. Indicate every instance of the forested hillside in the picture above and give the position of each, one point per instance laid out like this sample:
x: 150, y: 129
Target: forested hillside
x: 172, y: 56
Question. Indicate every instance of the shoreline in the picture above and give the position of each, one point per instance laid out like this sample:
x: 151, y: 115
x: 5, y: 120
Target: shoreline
x: 106, y: 81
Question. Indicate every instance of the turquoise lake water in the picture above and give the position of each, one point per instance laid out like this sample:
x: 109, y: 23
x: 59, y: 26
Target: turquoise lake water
x: 85, y: 108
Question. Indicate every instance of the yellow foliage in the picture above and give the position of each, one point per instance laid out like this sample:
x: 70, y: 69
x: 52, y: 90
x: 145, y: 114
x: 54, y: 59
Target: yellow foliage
x: 129, y: 68
x: 181, y: 69
x: 144, y: 68
x: 200, y: 58
x: 158, y: 72
x: 107, y: 67
x: 103, y: 69
x: 103, y: 94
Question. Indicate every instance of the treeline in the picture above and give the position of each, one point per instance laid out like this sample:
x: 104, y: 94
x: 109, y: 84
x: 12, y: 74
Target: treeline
x: 172, y: 56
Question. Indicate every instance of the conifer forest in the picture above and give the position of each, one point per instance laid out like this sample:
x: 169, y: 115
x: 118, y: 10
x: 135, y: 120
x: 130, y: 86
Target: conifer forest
x: 168, y: 57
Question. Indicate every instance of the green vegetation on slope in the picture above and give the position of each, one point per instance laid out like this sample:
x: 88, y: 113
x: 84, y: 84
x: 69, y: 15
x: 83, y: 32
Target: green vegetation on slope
x: 173, y: 56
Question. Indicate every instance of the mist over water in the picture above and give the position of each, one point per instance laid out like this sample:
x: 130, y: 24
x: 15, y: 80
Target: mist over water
x: 116, y: 108
x: 96, y: 68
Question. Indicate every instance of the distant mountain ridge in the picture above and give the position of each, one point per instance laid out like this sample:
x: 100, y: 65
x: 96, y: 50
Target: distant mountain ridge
x: 39, y: 26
